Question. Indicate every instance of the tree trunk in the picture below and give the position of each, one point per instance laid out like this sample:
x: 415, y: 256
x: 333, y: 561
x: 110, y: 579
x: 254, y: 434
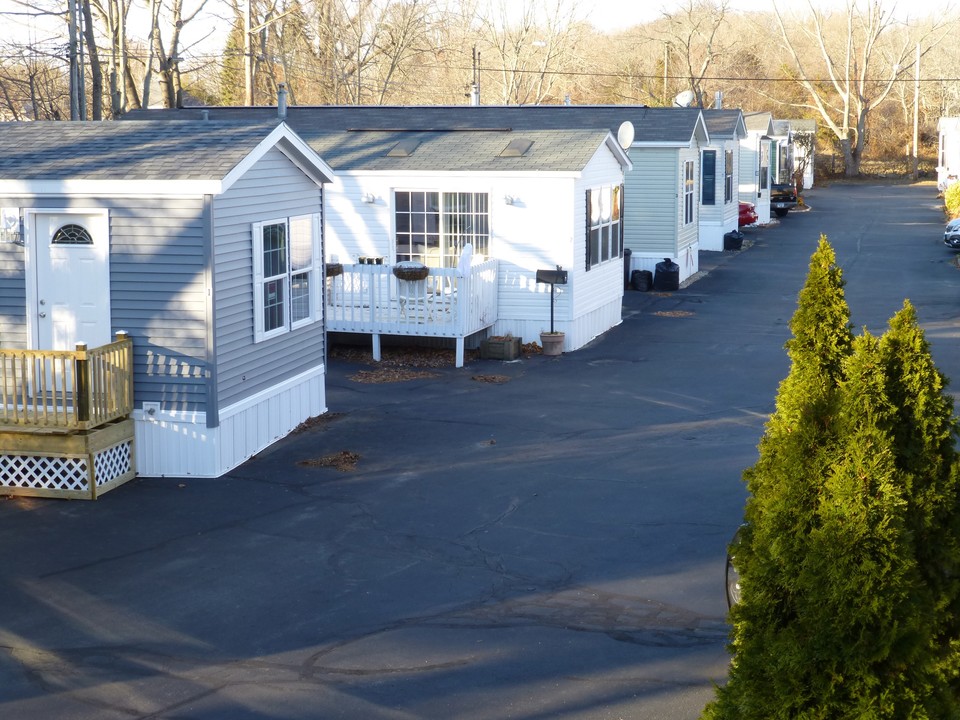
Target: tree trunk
x: 96, y: 72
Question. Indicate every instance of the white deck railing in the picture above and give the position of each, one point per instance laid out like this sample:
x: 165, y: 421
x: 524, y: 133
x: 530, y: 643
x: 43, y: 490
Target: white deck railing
x: 369, y: 299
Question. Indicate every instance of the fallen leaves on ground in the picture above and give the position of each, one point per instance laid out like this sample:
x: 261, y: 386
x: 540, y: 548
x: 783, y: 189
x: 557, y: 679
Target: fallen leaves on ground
x: 399, y: 364
x: 495, y: 379
x: 673, y: 313
x: 317, y: 421
x: 389, y: 374
x: 344, y: 461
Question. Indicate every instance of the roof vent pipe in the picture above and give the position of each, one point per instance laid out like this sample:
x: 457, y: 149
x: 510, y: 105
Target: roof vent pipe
x: 204, y: 115
x: 718, y: 100
x: 282, y: 101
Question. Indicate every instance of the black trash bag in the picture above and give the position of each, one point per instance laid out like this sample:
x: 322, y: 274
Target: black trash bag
x: 667, y: 276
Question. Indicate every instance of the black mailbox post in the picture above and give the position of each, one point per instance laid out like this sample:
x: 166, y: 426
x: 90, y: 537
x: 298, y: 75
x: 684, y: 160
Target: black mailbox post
x: 552, y: 278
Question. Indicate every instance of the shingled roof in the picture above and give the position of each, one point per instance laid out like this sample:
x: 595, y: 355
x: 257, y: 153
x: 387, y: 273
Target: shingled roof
x: 156, y: 151
x: 725, y: 124
x: 654, y: 126
x: 459, y: 150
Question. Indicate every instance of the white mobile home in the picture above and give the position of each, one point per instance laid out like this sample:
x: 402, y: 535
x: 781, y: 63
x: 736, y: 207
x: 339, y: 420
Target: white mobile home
x: 948, y: 152
x: 755, y: 152
x: 719, y: 176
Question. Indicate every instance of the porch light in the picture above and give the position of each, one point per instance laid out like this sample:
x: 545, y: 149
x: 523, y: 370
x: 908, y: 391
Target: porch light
x: 509, y: 199
x: 368, y: 198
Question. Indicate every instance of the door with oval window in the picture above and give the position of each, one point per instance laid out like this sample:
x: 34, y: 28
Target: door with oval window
x: 72, y: 290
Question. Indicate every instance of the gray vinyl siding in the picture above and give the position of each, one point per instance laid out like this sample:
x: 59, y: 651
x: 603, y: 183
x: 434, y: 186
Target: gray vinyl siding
x: 13, y: 295
x: 273, y: 189
x: 156, y: 292
x: 651, y: 201
x: 158, y: 295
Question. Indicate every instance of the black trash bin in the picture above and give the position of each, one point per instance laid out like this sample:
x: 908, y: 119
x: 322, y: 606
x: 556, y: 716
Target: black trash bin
x: 641, y: 280
x: 667, y: 275
x: 733, y: 240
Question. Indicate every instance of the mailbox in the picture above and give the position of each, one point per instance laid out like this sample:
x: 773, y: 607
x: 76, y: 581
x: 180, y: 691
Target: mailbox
x: 552, y: 277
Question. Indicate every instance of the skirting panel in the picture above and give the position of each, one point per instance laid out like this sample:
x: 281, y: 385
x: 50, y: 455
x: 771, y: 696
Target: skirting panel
x: 181, y: 445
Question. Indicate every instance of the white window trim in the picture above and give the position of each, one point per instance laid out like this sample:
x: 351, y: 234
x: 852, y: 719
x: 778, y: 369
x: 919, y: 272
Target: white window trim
x: 315, y: 314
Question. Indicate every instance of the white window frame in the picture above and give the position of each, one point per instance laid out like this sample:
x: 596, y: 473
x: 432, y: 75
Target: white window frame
x: 450, y: 241
x: 311, y: 269
x: 604, y: 210
x: 728, y: 163
x: 689, y: 187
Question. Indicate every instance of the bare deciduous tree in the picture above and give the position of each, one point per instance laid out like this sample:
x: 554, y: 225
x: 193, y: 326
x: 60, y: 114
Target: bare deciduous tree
x: 527, y: 46
x: 862, y: 58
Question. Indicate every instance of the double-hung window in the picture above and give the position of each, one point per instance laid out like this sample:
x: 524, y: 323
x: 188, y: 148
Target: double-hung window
x: 688, y: 190
x: 286, y: 269
x: 604, y: 224
x: 432, y: 227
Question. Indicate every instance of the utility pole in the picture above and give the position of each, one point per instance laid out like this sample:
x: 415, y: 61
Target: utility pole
x: 247, y: 56
x: 475, y: 86
x: 916, y: 118
x: 74, y: 62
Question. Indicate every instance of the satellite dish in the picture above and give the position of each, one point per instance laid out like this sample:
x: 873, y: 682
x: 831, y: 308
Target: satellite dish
x: 684, y: 99
x: 625, y: 134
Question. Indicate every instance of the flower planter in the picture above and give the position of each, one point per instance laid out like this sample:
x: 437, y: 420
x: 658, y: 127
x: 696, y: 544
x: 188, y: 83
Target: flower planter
x: 552, y: 342
x: 500, y: 348
x: 411, y: 271
x: 334, y: 269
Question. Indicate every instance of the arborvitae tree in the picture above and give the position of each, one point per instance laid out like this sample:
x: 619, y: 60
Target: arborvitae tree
x: 794, y: 455
x: 850, y: 606
x: 925, y: 433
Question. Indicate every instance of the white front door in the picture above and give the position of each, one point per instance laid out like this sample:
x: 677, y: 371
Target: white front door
x: 72, y: 298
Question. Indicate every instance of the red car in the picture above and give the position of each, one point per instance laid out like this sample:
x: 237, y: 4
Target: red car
x: 748, y: 213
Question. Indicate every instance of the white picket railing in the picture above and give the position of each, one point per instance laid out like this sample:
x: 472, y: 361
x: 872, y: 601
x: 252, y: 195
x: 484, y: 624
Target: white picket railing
x: 370, y: 299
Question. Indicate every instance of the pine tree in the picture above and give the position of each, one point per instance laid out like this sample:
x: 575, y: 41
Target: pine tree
x: 848, y: 561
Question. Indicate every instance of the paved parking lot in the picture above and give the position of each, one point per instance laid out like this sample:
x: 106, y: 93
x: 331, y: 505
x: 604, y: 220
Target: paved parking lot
x: 549, y: 545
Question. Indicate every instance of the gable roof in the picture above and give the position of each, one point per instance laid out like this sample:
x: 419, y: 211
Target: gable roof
x: 677, y: 127
x: 154, y: 158
x: 725, y: 124
x: 759, y: 122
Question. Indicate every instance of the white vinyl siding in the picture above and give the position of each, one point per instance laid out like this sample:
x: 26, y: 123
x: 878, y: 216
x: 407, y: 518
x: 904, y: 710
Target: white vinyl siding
x: 651, y: 201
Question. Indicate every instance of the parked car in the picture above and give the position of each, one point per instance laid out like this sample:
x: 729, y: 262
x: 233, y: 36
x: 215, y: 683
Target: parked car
x: 731, y: 575
x: 951, y: 236
x: 783, y: 197
x: 748, y: 213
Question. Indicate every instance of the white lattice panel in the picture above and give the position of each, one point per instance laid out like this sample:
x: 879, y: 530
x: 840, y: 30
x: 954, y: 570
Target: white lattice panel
x: 43, y: 472
x: 111, y: 463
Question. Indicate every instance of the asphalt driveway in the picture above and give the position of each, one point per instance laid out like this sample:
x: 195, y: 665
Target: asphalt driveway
x: 548, y: 545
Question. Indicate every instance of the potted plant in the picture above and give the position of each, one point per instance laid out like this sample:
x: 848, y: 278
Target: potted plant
x: 500, y: 347
x: 552, y: 342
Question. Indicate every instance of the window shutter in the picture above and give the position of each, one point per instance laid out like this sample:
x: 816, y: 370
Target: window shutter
x: 587, y: 214
x: 709, y: 177
x: 620, y: 229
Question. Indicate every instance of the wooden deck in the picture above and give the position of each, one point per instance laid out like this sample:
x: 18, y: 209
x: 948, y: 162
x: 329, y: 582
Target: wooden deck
x: 65, y: 429
x: 369, y: 299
